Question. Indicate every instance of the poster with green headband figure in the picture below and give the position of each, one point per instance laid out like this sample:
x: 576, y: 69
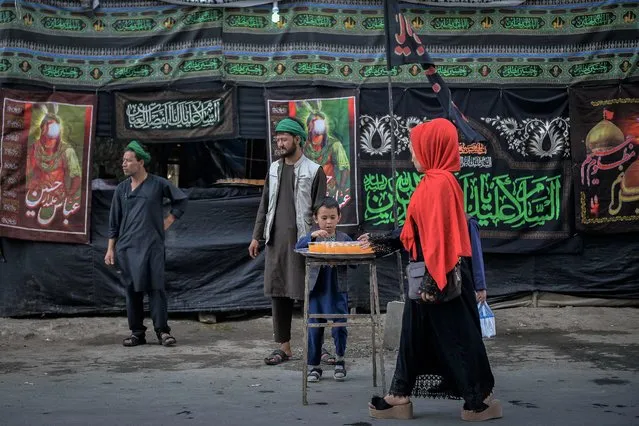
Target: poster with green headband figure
x: 45, y: 150
x: 329, y: 122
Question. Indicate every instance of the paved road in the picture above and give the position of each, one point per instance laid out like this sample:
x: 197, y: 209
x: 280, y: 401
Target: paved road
x: 559, y: 367
x: 566, y: 394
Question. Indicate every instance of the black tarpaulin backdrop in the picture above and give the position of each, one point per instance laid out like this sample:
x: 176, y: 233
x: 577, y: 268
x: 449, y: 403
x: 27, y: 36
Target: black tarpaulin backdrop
x: 208, y: 268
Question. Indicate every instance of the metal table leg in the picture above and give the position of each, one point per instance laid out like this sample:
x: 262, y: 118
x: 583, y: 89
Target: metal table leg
x: 378, y: 324
x: 305, y: 340
x: 371, y: 278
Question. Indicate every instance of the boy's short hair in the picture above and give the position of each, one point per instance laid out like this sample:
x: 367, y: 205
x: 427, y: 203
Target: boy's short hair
x: 329, y: 203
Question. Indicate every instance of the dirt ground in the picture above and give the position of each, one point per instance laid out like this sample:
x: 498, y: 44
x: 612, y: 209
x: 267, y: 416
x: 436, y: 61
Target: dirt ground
x: 602, y: 337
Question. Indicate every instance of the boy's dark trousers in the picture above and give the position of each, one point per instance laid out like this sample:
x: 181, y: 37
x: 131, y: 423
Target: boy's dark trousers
x: 326, y: 299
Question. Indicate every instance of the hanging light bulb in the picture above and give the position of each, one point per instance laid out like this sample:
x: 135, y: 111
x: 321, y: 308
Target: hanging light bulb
x: 275, y: 17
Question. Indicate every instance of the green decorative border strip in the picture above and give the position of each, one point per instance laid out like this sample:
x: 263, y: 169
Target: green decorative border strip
x: 133, y: 24
x: 317, y: 20
x: 523, y: 21
x: 321, y: 19
x: 103, y: 73
x: 311, y: 67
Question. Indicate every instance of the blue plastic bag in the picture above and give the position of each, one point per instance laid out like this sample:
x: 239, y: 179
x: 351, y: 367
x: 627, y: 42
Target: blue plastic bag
x: 486, y: 319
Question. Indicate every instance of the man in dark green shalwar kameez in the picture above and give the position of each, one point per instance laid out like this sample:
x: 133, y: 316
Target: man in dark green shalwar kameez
x: 136, y: 242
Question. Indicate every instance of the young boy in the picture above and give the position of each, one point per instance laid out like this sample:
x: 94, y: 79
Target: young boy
x: 328, y: 292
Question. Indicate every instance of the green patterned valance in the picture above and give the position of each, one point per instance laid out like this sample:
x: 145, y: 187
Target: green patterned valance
x: 126, y: 42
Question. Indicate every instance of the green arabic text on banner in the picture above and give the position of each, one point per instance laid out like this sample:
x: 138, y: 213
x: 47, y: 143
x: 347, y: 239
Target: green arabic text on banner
x: 517, y: 184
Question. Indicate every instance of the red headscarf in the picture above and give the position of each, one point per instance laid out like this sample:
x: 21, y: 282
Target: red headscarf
x: 437, y: 205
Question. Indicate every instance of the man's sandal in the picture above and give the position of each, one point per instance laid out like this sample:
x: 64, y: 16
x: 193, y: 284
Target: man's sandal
x: 276, y: 357
x: 340, y: 371
x: 314, y: 375
x: 134, y: 340
x: 378, y: 408
x: 165, y: 339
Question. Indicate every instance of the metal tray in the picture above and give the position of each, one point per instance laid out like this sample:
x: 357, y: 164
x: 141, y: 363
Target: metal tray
x: 335, y: 256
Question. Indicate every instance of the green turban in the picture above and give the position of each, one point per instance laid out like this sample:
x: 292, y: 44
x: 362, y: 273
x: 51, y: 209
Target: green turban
x: 139, y: 151
x: 288, y: 125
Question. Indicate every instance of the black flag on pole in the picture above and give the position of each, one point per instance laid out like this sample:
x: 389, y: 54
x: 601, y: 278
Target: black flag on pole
x: 404, y: 46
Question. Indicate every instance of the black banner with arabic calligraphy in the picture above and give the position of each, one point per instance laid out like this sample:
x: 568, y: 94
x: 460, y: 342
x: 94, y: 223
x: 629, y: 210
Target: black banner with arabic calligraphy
x: 176, y: 116
x: 45, y: 150
x: 517, y: 184
x: 605, y: 140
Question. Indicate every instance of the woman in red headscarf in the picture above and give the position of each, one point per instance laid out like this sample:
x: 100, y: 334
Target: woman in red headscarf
x: 441, y: 352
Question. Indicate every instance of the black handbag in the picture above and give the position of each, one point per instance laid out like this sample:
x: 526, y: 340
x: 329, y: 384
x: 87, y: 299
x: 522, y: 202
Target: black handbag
x: 420, y: 281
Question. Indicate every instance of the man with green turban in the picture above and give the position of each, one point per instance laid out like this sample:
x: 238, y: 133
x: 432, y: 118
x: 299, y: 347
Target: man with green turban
x: 136, y: 242
x: 294, y: 184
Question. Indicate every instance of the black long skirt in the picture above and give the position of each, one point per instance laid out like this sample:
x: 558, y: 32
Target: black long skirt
x: 441, y: 351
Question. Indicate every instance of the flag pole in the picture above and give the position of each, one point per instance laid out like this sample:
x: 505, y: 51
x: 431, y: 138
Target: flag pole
x: 391, y: 115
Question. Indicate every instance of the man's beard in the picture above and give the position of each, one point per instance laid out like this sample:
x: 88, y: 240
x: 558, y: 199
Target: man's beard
x: 285, y: 153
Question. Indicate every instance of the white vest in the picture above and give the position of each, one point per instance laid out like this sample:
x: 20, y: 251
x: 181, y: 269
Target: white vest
x: 304, y: 172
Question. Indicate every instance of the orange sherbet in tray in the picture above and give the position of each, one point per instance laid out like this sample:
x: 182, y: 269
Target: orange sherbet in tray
x: 338, y: 247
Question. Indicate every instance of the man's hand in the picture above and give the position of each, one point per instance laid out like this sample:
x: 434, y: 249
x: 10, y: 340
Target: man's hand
x: 109, y: 259
x: 320, y: 234
x: 481, y: 296
x: 168, y: 221
x: 254, y: 248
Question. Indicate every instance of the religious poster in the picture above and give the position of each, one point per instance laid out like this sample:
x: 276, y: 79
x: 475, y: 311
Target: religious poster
x: 45, y: 150
x: 176, y: 116
x: 517, y: 183
x: 605, y: 139
x: 330, y: 121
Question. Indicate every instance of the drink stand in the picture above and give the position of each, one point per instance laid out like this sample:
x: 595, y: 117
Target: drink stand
x: 330, y: 259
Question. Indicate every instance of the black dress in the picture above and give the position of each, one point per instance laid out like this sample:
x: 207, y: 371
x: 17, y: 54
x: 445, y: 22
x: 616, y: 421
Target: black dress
x: 441, y: 351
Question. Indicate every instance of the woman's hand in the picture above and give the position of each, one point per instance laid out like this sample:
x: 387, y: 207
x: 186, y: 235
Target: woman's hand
x: 427, y: 297
x: 364, y: 240
x: 481, y: 296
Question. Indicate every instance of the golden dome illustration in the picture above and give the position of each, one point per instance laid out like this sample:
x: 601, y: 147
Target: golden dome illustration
x: 604, y: 135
